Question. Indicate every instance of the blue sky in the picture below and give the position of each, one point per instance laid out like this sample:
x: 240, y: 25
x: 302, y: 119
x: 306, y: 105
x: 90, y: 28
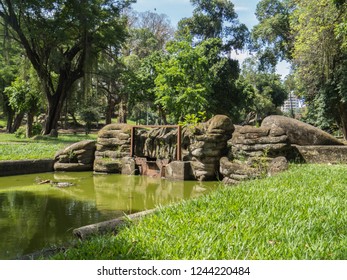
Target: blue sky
x: 178, y: 9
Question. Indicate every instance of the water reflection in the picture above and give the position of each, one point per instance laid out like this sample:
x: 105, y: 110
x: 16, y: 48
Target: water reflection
x: 35, y: 216
x: 136, y: 193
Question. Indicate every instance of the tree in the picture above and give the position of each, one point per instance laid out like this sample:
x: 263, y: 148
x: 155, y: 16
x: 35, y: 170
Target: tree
x: 24, y: 99
x: 149, y: 33
x: 59, y: 37
x: 268, y: 90
x: 182, y: 85
x: 272, y: 38
x: 312, y: 36
x: 10, y: 60
x: 321, y: 61
x: 215, y: 19
x: 108, y: 80
x: 198, y: 75
x: 196, y: 79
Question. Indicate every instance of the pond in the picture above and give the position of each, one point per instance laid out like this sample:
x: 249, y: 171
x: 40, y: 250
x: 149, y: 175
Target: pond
x: 34, y: 216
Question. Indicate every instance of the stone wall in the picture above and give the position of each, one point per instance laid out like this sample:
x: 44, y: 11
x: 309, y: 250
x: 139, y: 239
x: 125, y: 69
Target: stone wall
x: 156, y: 143
x: 265, y: 150
x: 248, y: 141
x: 203, y: 146
x: 319, y: 154
x: 212, y: 150
x: 112, y: 145
x: 251, y: 151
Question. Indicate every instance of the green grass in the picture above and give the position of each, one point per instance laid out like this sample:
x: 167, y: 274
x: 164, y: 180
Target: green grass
x: 2, y: 122
x: 12, y: 148
x: 299, y: 214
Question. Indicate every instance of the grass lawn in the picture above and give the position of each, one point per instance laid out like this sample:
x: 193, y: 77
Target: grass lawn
x: 299, y: 214
x: 12, y: 148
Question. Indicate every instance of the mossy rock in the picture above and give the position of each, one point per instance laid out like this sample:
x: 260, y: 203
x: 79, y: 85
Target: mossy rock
x: 108, y: 165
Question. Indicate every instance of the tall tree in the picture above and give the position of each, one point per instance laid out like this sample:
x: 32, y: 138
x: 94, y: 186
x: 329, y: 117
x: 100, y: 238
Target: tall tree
x: 196, y: 79
x: 269, y: 91
x: 158, y: 25
x: 149, y: 34
x: 205, y: 74
x: 59, y: 37
x: 321, y: 59
x: 215, y: 19
x: 24, y: 99
x: 10, y: 61
x: 272, y: 38
x: 312, y: 36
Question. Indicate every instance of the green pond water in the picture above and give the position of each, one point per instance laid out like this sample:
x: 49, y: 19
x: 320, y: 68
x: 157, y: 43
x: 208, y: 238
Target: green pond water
x: 36, y: 216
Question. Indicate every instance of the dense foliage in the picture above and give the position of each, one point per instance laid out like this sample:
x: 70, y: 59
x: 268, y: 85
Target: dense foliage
x: 312, y: 36
x: 59, y: 38
x: 135, y: 66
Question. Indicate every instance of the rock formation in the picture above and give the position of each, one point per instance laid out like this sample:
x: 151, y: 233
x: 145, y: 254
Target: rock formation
x: 77, y: 157
x: 251, y: 149
x: 158, y: 143
x: 300, y: 133
x: 212, y: 150
x: 205, y: 144
x: 249, y: 141
x: 112, y: 145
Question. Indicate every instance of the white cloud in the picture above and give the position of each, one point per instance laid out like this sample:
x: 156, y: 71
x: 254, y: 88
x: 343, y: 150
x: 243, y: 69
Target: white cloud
x: 240, y: 56
x: 283, y: 68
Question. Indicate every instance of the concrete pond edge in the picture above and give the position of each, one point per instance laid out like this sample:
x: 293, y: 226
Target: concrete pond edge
x: 110, y: 225
x: 21, y: 167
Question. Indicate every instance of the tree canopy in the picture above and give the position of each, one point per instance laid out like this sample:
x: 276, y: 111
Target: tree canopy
x: 59, y: 37
x: 104, y: 58
x: 312, y: 36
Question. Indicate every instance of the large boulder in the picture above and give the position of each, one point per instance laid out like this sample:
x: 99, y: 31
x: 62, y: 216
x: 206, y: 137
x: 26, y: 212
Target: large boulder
x: 76, y: 157
x: 220, y: 124
x: 300, y: 133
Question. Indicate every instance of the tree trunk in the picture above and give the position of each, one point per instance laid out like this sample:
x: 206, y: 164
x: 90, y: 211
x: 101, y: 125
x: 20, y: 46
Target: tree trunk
x: 17, y: 122
x: 8, y: 112
x: 56, y: 101
x: 110, y: 225
x: 53, y: 113
x: 10, y: 116
x: 29, y: 128
x: 75, y: 122
x: 343, y: 117
x: 123, y: 111
x: 111, y: 103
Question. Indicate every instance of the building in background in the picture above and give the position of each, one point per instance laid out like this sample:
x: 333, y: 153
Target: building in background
x: 292, y: 105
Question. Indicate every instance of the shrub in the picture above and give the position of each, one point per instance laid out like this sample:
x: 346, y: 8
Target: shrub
x: 20, y: 133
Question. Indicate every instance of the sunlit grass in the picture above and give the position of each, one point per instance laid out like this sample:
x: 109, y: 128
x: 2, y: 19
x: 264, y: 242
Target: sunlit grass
x: 43, y: 147
x: 300, y: 214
